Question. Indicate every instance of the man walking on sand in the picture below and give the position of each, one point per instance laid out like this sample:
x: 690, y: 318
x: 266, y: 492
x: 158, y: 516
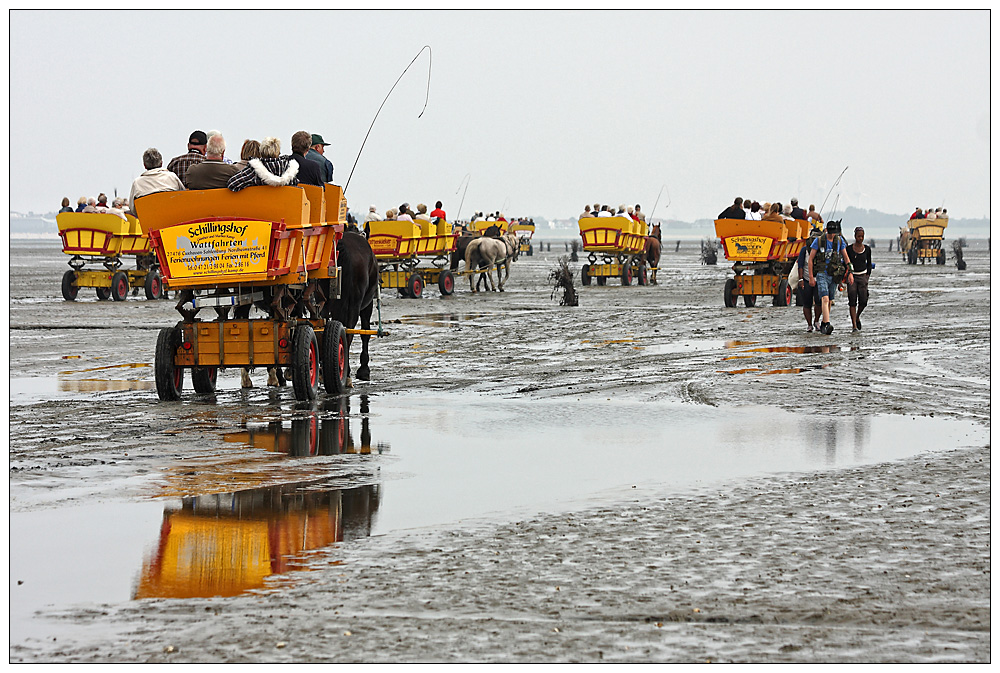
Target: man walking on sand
x: 825, y: 270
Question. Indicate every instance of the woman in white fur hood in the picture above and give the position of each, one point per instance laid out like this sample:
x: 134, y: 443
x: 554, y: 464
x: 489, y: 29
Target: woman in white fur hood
x: 271, y: 169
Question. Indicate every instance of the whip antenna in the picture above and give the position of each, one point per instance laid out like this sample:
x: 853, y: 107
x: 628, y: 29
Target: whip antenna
x: 465, y: 180
x: 834, y: 187
x: 658, y: 201
x: 426, y: 98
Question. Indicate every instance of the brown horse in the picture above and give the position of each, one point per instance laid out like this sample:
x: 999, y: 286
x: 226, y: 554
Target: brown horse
x: 651, y: 253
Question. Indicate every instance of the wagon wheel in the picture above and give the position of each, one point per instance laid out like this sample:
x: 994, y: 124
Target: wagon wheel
x: 69, y: 288
x: 749, y: 300
x: 335, y: 354
x: 305, y: 363
x: 446, y: 283
x: 941, y: 257
x: 626, y: 274
x: 602, y: 280
x: 203, y: 379
x: 642, y: 277
x: 784, y: 296
x: 119, y: 286
x: 153, y: 285
x: 585, y: 274
x: 728, y: 298
x: 169, y: 377
x: 103, y: 293
x: 415, y: 285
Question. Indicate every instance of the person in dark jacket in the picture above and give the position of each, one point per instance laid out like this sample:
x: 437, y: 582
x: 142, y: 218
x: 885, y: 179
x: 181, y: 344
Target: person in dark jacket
x: 734, y: 212
x: 310, y: 172
x: 66, y: 208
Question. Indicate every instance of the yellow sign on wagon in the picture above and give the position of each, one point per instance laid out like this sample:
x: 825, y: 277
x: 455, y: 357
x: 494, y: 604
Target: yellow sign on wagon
x: 216, y: 248
x: 748, y: 247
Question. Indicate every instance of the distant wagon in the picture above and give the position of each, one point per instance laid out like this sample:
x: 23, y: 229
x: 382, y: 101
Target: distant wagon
x: 618, y: 244
x: 923, y: 240
x: 106, y: 239
x: 400, y: 245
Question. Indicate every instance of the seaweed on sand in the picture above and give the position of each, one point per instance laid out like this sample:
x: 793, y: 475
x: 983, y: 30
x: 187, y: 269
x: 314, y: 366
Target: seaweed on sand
x: 563, y: 278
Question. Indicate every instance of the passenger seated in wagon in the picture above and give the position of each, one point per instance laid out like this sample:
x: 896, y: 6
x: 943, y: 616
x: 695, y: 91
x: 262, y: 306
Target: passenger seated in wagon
x: 271, y: 169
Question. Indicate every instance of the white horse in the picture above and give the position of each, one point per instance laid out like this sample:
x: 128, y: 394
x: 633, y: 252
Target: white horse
x: 490, y: 252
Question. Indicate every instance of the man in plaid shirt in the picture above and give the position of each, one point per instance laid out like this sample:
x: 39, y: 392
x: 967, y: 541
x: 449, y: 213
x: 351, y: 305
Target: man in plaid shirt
x: 195, y: 155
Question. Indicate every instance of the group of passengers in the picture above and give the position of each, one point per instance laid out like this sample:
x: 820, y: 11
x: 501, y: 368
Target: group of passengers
x: 205, y: 165
x: 118, y: 206
x: 405, y: 213
x: 930, y: 214
x: 635, y: 214
x: 745, y: 209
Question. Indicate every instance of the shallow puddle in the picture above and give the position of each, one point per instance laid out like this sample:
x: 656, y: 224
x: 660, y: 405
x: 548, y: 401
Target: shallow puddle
x: 453, y: 457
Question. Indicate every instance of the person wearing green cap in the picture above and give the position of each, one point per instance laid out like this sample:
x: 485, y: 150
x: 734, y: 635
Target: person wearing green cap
x: 316, y: 153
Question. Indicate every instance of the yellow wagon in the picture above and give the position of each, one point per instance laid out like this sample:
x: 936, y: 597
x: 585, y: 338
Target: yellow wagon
x: 524, y: 231
x: 924, y: 241
x: 764, y: 253
x: 273, y: 248
x: 106, y: 238
x: 620, y: 243
x: 400, y: 245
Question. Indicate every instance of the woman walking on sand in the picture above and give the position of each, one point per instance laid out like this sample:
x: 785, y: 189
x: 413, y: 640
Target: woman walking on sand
x: 861, y: 263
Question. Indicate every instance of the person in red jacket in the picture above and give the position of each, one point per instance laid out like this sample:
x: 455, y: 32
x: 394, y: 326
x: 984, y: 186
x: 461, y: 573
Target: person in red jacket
x: 437, y: 212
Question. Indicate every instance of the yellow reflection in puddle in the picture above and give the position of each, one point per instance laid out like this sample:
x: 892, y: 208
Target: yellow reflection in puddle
x: 130, y: 365
x: 101, y: 385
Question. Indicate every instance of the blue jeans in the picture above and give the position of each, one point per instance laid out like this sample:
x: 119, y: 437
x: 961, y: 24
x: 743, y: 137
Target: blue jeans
x: 825, y: 287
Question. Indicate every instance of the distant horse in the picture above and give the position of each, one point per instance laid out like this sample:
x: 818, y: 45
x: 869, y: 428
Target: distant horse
x: 651, y: 253
x: 904, y: 239
x: 358, y: 286
x: 490, y: 252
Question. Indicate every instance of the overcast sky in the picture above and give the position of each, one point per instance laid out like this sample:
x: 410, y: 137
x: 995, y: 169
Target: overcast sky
x: 544, y: 111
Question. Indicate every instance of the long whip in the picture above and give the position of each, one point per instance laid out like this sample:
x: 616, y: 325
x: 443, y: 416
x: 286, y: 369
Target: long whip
x: 833, y: 187
x: 658, y: 201
x: 426, y: 98
x: 468, y: 176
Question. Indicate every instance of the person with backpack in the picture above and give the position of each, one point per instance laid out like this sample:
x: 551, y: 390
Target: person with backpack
x: 828, y: 265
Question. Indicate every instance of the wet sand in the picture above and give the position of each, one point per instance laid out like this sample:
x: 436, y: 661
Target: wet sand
x: 885, y: 561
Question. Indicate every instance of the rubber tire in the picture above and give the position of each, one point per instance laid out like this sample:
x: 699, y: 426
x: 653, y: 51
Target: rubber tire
x: 446, y: 283
x: 305, y: 363
x: 941, y: 257
x: 204, y: 379
x: 602, y: 280
x: 626, y: 275
x: 169, y: 377
x: 103, y: 293
x: 335, y: 354
x: 415, y: 286
x: 749, y: 300
x: 784, y: 296
x: 531, y: 250
x: 642, y: 277
x: 584, y: 275
x: 153, y: 285
x: 911, y: 256
x: 727, y: 296
x: 69, y: 288
x: 119, y: 286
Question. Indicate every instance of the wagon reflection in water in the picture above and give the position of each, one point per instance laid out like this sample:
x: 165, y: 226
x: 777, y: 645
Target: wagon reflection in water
x: 225, y: 544
x: 230, y: 543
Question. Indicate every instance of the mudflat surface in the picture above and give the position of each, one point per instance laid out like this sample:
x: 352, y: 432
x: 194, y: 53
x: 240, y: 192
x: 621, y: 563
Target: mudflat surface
x: 844, y: 558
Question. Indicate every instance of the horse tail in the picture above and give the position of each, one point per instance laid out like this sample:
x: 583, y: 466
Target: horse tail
x: 470, y: 250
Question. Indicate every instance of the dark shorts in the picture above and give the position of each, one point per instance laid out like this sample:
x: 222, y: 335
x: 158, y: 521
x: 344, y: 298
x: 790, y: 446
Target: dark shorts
x: 857, y: 292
